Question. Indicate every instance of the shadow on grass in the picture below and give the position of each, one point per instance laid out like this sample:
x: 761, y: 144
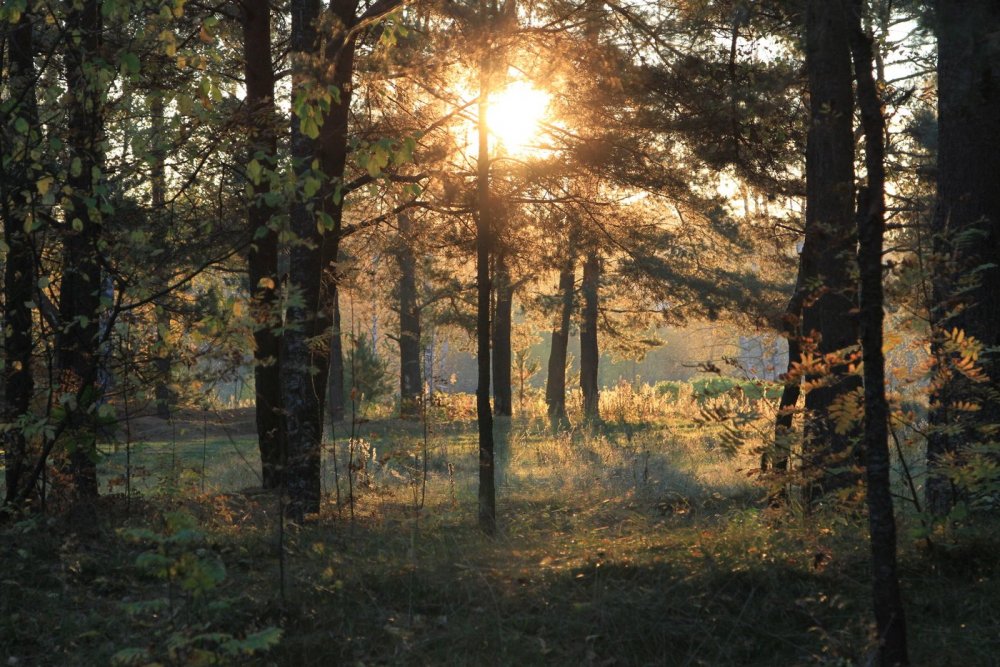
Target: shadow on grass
x: 638, y: 610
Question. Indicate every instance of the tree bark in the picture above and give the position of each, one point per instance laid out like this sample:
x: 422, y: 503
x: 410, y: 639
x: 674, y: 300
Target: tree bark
x: 161, y: 360
x: 262, y: 259
x: 503, y: 399
x: 79, y: 303
x: 889, y: 616
x: 326, y: 64
x: 778, y: 458
x: 19, y: 268
x: 965, y: 225
x: 555, y: 383
x: 410, y: 382
x: 828, y: 317
x: 162, y: 365
x: 589, y: 352
x: 300, y: 401
x: 484, y: 232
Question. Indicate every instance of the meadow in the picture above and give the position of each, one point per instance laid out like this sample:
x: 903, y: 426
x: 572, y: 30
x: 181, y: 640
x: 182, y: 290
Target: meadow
x: 646, y: 540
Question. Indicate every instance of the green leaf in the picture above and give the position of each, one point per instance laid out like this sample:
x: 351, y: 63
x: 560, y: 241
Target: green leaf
x: 130, y: 63
x: 130, y: 656
x: 308, y: 127
x: 21, y: 126
x: 253, y: 643
x: 153, y: 563
x: 310, y: 186
x: 324, y: 223
x: 44, y: 184
x: 254, y: 171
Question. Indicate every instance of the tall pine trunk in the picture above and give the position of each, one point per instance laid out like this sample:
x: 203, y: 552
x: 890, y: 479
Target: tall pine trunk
x: 302, y: 405
x: 778, y: 457
x: 555, y: 383
x: 161, y: 358
x: 262, y: 259
x: 484, y: 232
x: 19, y: 267
x: 323, y: 65
x: 589, y: 352
x: 889, y: 617
x: 79, y: 302
x: 966, y: 225
x: 410, y: 382
x: 828, y: 317
x: 503, y: 399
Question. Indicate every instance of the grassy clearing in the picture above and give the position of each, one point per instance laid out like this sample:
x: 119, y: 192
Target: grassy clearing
x: 632, y: 545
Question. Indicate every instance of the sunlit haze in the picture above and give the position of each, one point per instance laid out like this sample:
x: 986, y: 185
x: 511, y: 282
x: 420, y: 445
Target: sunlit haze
x: 515, y: 116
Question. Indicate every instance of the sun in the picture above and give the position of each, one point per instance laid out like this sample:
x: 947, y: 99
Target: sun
x: 515, y: 117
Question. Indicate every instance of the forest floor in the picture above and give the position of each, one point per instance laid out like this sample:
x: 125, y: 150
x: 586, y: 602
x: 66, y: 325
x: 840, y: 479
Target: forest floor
x: 630, y: 545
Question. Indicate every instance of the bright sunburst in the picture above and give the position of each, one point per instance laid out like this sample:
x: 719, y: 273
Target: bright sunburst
x: 515, y: 116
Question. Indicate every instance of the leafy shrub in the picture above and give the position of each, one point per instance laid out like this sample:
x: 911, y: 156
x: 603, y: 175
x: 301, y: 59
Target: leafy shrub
x: 179, y: 556
x: 366, y: 372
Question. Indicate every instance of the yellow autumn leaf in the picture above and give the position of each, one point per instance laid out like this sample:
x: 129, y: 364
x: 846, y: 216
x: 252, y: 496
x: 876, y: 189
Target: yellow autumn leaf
x: 44, y: 184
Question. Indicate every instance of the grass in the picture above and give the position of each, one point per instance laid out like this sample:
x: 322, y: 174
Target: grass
x: 635, y: 544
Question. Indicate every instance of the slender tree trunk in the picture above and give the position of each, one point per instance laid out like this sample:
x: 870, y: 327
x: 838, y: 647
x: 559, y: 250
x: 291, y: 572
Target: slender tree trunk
x: 336, y: 400
x: 484, y: 232
x: 338, y: 56
x: 889, y: 616
x: 19, y: 267
x: 778, y: 459
x: 555, y: 383
x: 262, y: 259
x: 79, y: 302
x: 966, y: 226
x: 410, y: 382
x: 161, y: 360
x: 323, y: 65
x: 589, y: 352
x: 301, y: 403
x: 828, y: 318
x: 503, y: 401
x: 162, y: 365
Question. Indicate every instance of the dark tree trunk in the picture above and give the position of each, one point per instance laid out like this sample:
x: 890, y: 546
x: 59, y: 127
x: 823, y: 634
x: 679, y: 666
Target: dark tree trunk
x: 589, y: 352
x: 484, y: 232
x: 302, y: 405
x: 161, y: 359
x: 317, y: 220
x: 965, y: 225
x: 777, y: 459
x: 262, y: 259
x: 830, y: 252
x: 162, y: 366
x: 889, y: 616
x: 555, y: 383
x: 79, y: 302
x: 410, y: 382
x: 503, y: 398
x: 19, y: 268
